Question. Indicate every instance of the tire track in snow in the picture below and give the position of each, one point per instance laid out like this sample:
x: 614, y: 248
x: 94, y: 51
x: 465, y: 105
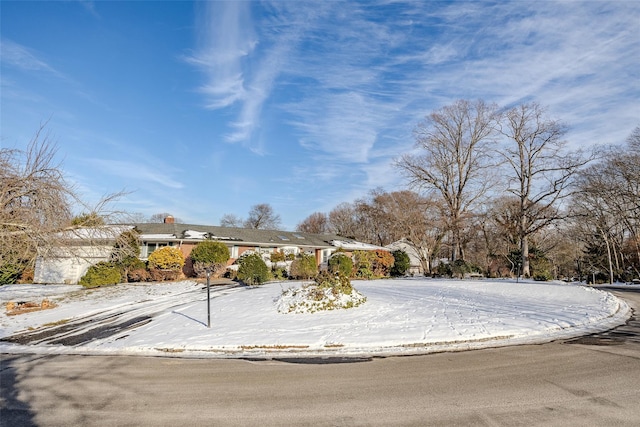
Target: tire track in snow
x: 106, y: 323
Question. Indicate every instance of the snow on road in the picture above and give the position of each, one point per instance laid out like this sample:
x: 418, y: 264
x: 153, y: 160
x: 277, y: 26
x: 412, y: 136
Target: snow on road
x: 401, y: 316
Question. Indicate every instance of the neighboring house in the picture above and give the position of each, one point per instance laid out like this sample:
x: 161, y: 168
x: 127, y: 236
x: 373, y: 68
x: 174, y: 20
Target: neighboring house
x: 241, y: 240
x: 416, y: 265
x: 85, y: 247
x: 78, y: 250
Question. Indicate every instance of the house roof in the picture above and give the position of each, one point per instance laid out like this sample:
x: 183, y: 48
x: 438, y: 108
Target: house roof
x: 159, y: 231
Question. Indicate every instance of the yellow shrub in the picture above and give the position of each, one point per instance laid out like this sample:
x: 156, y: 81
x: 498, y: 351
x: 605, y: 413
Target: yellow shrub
x: 167, y: 258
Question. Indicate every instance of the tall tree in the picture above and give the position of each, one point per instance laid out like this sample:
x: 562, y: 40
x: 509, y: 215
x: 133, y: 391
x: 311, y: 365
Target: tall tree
x: 262, y: 216
x: 539, y: 169
x: 317, y: 223
x: 343, y: 221
x: 454, y: 145
x: 415, y: 219
x: 609, y: 205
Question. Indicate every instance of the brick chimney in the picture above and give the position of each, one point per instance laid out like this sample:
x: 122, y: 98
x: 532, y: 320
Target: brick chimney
x: 169, y: 220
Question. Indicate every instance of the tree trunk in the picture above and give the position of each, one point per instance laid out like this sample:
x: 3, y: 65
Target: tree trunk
x: 524, y: 249
x: 609, y: 260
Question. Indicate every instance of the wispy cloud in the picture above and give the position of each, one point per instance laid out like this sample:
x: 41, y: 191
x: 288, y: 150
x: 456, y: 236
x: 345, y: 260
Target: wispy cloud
x: 138, y: 173
x: 19, y: 56
x: 225, y: 40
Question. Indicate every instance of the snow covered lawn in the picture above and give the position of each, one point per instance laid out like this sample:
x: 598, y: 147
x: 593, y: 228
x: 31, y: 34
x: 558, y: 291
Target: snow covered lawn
x: 401, y: 316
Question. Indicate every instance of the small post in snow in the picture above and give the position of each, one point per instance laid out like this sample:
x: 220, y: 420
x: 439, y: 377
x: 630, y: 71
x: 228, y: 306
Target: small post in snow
x: 208, y: 299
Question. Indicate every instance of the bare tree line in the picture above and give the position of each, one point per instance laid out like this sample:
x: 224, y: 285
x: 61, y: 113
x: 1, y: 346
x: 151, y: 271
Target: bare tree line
x: 488, y: 185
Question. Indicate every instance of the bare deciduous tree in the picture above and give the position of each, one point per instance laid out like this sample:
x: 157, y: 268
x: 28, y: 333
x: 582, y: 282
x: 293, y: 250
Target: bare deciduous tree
x: 36, y: 204
x: 317, y: 223
x: 230, y: 220
x: 263, y: 217
x: 342, y: 220
x: 453, y: 161
x: 539, y: 169
x: 608, y: 206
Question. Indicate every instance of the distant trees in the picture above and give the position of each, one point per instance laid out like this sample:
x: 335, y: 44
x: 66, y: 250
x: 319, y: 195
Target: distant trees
x: 261, y: 216
x: 607, y: 212
x: 317, y: 223
x: 230, y: 220
x: 160, y: 218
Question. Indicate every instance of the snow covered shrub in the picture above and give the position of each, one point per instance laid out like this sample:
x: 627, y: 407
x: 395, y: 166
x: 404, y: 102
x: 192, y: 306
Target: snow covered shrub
x: 166, y: 258
x: 304, y: 267
x: 328, y: 292
x: 401, y: 263
x: 341, y: 263
x: 252, y: 269
x: 101, y: 274
x: 210, y: 255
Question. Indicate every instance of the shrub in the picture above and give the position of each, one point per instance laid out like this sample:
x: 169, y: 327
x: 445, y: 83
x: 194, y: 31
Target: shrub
x: 458, y: 268
x: 329, y: 292
x: 127, y: 246
x: 401, y: 263
x: 363, y: 264
x: 338, y: 283
x: 210, y: 255
x: 157, y: 275
x: 382, y: 262
x: 279, y: 273
x: 341, y: 263
x: 26, y: 276
x: 252, y: 270
x: 101, y: 274
x: 139, y: 275
x: 9, y: 273
x: 304, y: 267
x: 277, y: 256
x: 166, y: 258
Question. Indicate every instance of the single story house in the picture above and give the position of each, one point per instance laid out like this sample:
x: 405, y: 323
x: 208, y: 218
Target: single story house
x: 68, y: 266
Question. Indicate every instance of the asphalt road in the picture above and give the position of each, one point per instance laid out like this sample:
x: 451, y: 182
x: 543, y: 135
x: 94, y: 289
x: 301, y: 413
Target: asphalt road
x: 591, y: 381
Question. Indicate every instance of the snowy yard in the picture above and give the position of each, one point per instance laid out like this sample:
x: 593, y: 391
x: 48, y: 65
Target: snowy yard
x: 401, y: 316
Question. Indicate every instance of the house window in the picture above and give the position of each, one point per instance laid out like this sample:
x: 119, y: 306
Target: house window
x: 148, y: 248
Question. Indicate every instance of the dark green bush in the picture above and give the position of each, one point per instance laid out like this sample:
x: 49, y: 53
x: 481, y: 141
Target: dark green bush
x: 101, y: 274
x: 210, y: 252
x: 304, y: 267
x: 401, y: 263
x: 210, y: 255
x: 341, y: 263
x: 252, y: 270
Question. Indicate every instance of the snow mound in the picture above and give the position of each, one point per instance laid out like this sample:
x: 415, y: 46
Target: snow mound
x: 312, y: 298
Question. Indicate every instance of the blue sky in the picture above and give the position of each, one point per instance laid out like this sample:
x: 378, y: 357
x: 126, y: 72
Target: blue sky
x: 207, y: 108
